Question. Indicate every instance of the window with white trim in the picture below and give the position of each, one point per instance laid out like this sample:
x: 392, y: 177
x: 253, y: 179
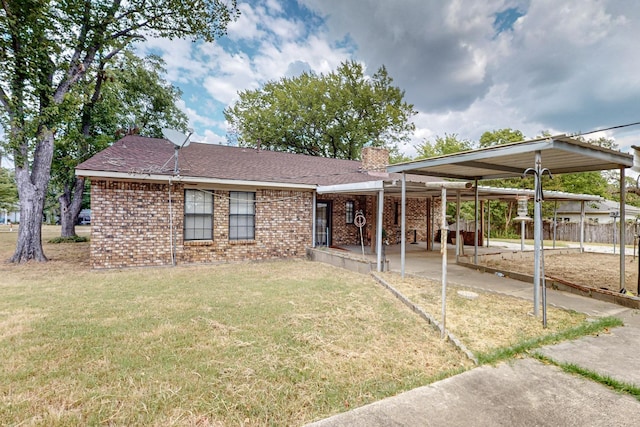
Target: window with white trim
x: 348, y: 207
x: 242, y: 213
x: 198, y: 215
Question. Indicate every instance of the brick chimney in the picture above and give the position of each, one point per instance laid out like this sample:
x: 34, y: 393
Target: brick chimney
x: 375, y: 159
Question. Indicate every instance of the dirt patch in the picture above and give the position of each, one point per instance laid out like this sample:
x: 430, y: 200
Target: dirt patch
x: 596, y: 270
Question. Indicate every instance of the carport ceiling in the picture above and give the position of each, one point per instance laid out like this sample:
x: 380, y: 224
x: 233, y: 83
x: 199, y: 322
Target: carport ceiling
x: 560, y: 154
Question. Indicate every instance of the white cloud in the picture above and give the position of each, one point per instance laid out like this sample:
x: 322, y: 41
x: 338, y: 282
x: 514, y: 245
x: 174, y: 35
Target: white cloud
x: 179, y: 56
x: 246, y: 27
x: 560, y: 67
x: 211, y: 137
x: 196, y: 119
x: 567, y: 65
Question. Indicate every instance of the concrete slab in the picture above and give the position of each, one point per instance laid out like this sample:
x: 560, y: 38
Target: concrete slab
x: 522, y: 393
x: 613, y: 354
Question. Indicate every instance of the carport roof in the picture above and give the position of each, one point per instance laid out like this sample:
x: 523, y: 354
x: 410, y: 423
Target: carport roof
x: 416, y: 187
x: 560, y: 154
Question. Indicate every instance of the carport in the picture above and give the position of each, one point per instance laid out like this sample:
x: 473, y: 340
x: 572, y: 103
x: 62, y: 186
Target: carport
x: 428, y: 187
x: 553, y: 155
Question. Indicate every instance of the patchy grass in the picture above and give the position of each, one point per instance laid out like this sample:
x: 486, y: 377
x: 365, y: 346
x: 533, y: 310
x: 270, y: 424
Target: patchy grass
x: 70, y: 239
x: 488, y: 323
x: 524, y: 346
x: 605, y: 380
x: 252, y: 344
x: 280, y: 343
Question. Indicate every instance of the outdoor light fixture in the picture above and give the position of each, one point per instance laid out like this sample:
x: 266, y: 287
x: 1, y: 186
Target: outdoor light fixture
x: 523, y: 216
x: 523, y: 209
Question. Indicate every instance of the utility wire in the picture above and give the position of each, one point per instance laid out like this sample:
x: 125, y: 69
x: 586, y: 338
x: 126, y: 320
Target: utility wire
x: 609, y: 128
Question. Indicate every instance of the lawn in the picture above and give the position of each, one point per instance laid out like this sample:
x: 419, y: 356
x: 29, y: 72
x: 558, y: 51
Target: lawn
x: 273, y: 343
x: 279, y: 343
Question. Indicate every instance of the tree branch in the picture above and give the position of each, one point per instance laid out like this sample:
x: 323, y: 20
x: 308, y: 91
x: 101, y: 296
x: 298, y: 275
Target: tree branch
x: 4, y: 100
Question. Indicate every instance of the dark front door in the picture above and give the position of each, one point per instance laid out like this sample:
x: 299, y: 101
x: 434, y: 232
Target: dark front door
x: 323, y: 223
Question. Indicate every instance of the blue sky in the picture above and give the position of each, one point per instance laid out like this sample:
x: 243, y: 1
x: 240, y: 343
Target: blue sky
x: 467, y: 66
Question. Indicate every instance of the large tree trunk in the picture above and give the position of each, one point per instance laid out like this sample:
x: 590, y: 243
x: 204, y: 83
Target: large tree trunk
x: 32, y: 190
x: 70, y: 206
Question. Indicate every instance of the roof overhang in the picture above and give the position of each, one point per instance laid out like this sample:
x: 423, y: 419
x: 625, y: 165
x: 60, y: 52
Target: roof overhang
x: 434, y: 189
x: 560, y: 154
x: 190, y: 180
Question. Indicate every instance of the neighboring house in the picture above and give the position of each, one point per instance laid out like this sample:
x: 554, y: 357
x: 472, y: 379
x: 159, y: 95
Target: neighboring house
x: 226, y: 203
x: 598, y: 212
x: 6, y: 216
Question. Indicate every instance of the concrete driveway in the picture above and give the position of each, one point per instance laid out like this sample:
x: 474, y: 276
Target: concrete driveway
x: 522, y: 392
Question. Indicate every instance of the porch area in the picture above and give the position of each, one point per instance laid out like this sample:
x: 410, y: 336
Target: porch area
x: 424, y: 263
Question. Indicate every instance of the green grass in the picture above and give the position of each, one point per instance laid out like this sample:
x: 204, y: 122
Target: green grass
x: 70, y: 239
x: 525, y: 345
x: 605, y: 380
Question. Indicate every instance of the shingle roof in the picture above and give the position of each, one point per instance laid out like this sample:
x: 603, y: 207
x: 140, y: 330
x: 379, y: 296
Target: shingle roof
x: 135, y: 154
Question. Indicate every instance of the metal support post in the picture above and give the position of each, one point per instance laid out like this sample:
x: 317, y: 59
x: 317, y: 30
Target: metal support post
x: 475, y: 238
x: 622, y: 227
x: 443, y: 249
x: 582, y: 217
x: 379, y: 231
x: 403, y: 225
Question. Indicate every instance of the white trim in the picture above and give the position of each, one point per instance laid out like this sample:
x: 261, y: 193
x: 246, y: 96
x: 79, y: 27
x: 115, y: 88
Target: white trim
x: 189, y: 179
x: 372, y: 186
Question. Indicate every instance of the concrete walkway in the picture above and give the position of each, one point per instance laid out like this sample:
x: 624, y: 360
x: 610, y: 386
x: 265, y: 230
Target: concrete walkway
x: 522, y: 392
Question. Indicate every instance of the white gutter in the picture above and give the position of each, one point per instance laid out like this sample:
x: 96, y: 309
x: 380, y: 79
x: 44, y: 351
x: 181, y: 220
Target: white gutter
x: 372, y: 186
x: 550, y: 194
x: 190, y: 179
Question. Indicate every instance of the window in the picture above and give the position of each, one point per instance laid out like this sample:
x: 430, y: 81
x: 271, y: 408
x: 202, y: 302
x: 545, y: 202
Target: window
x: 198, y: 215
x: 348, y: 207
x: 396, y: 212
x: 242, y: 210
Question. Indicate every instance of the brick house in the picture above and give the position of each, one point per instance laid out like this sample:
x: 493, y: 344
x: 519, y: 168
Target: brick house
x: 152, y: 205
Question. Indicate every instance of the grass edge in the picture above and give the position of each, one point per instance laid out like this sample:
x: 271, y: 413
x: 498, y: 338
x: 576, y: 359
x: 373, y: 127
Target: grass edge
x: 587, y: 328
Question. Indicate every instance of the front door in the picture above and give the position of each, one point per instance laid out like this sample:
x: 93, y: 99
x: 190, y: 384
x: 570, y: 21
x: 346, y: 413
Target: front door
x: 323, y: 223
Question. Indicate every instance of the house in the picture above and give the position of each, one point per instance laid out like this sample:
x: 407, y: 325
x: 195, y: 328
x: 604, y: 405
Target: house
x: 153, y: 204
x: 597, y: 212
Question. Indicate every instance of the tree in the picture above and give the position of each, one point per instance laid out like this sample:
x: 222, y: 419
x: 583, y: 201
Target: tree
x: 47, y: 48
x: 502, y: 212
x: 330, y: 115
x: 500, y: 136
x: 448, y: 144
x: 8, y: 190
x: 130, y: 92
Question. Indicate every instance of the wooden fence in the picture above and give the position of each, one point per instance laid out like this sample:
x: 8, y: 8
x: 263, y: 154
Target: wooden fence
x: 593, y: 233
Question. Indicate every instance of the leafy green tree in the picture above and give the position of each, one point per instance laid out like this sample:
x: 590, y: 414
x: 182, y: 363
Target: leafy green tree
x: 329, y: 115
x: 129, y: 92
x: 448, y: 144
x: 8, y: 190
x: 503, y: 212
x: 499, y: 137
x: 47, y: 48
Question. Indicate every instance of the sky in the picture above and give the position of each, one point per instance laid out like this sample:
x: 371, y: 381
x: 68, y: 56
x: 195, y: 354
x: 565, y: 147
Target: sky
x: 467, y: 66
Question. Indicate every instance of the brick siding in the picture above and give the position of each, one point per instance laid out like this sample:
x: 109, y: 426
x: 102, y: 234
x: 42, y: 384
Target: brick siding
x: 131, y: 226
x: 348, y: 234
x: 375, y: 159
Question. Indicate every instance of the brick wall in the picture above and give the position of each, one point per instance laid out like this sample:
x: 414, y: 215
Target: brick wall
x: 348, y: 234
x: 415, y: 217
x: 131, y: 226
x: 130, y: 223
x: 375, y: 158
